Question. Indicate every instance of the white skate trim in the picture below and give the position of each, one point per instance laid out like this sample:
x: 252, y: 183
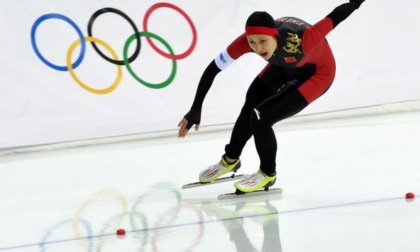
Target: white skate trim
x: 252, y: 180
x: 223, y: 60
x: 213, y: 171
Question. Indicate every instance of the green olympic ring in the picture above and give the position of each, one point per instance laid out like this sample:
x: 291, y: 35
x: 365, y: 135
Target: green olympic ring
x: 130, y: 70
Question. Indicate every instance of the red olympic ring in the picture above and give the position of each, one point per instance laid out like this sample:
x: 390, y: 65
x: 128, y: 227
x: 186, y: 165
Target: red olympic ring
x: 185, y: 15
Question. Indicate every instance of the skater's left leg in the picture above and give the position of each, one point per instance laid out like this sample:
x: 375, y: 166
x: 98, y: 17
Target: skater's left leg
x: 242, y: 130
x: 276, y: 108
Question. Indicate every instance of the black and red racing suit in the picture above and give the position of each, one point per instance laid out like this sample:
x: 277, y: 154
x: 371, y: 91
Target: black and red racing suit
x: 301, y: 69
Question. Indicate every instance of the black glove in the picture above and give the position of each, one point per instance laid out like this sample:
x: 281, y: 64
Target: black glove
x: 193, y: 117
x: 358, y: 2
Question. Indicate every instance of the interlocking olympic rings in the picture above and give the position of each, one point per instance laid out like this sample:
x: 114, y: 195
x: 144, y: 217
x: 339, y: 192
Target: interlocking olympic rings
x: 126, y: 60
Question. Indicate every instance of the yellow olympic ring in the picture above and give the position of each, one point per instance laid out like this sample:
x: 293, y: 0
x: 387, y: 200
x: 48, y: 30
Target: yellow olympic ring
x: 78, y: 81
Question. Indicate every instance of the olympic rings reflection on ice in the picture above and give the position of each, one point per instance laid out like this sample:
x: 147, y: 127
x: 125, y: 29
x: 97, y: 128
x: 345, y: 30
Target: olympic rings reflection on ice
x: 115, y: 59
x: 45, y: 239
x: 199, y: 233
x: 138, y: 217
x: 105, y: 194
x: 108, y: 227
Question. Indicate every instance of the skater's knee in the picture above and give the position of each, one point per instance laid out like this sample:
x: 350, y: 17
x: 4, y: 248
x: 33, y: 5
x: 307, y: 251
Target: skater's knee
x: 257, y: 122
x: 246, y: 114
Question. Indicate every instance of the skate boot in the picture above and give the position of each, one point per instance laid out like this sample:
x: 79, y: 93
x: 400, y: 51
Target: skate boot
x: 213, y: 172
x: 254, y: 182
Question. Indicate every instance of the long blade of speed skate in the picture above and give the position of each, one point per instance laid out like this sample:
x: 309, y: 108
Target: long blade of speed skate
x: 220, y: 180
x: 251, y: 194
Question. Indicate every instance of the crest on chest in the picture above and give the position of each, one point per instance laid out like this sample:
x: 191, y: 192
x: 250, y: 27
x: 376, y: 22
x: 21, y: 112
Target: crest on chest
x: 292, y: 43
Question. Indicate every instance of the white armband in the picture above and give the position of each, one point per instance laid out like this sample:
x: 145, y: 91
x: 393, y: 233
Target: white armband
x: 223, y: 60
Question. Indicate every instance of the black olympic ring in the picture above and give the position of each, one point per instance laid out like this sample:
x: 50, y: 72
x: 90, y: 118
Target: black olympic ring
x: 122, y: 14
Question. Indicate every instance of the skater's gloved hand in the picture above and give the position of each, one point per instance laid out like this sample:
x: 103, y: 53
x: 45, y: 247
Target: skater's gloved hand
x: 191, y: 118
x: 359, y: 2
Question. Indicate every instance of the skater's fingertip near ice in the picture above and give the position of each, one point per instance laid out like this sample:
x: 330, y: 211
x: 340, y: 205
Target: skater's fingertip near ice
x: 182, y: 132
x: 182, y: 125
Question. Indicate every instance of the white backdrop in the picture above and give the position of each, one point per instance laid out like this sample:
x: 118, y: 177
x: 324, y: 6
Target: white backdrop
x: 377, y: 51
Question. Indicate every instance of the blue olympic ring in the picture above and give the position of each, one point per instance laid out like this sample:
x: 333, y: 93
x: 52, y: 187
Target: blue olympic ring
x: 69, y: 21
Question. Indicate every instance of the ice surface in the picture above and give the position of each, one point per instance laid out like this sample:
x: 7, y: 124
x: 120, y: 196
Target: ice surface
x: 343, y: 190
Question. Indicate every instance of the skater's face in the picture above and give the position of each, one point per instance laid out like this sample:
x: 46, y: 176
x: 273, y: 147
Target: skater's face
x: 263, y: 45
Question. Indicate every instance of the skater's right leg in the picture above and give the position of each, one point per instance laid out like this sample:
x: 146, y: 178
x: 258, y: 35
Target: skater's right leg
x: 241, y: 133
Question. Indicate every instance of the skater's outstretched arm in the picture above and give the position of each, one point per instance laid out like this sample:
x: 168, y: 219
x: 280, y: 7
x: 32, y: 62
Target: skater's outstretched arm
x: 193, y: 117
x: 236, y: 49
x: 343, y: 11
x: 315, y: 34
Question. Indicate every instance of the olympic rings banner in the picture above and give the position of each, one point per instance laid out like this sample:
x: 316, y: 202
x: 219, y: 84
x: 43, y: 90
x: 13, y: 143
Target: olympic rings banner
x: 75, y: 70
x: 81, y: 41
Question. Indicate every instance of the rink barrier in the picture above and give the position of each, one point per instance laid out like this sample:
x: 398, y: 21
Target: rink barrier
x: 403, y: 112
